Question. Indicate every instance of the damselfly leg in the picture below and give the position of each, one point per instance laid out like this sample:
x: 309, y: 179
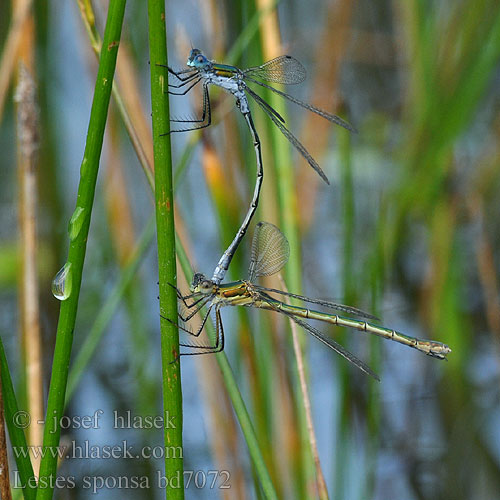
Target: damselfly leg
x: 206, y: 349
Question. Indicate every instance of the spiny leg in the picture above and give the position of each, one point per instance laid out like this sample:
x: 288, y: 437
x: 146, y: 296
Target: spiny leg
x: 186, y: 330
x: 184, y: 82
x: 184, y: 298
x: 206, y: 110
x: 181, y: 72
x: 182, y: 85
x: 206, y: 115
x: 196, y: 311
x: 178, y: 292
x: 210, y: 349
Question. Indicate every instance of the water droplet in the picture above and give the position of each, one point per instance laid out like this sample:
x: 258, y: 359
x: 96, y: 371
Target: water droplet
x: 61, y: 284
x: 76, y: 222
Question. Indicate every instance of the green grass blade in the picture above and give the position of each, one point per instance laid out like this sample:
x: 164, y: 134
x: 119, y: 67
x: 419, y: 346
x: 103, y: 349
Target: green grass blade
x: 248, y: 33
x: 16, y: 432
x: 78, y: 243
x: 287, y: 205
x: 164, y: 202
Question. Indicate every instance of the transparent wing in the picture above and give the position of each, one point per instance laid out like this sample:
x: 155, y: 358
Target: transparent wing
x: 293, y: 140
x: 282, y: 69
x: 335, y: 346
x: 270, y: 251
x: 321, y: 112
x: 326, y: 303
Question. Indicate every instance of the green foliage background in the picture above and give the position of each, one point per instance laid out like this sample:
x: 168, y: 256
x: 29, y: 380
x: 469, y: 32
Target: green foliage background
x: 408, y: 229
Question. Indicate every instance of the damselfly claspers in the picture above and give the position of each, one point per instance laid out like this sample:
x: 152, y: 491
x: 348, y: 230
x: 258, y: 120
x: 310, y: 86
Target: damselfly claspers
x: 283, y: 70
x: 270, y: 252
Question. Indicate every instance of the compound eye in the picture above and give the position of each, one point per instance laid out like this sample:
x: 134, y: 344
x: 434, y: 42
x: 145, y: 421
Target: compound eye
x: 200, y: 59
x: 206, y: 285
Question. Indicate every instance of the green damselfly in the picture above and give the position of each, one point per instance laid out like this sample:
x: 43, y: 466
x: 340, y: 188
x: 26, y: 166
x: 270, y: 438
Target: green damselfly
x: 270, y: 252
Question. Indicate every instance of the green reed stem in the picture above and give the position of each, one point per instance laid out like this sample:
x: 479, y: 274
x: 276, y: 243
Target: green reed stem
x: 287, y: 204
x: 16, y: 421
x: 77, y: 248
x: 167, y: 274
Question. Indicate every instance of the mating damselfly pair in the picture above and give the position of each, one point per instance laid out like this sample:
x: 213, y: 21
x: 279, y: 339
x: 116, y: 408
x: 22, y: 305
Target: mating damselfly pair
x: 270, y: 249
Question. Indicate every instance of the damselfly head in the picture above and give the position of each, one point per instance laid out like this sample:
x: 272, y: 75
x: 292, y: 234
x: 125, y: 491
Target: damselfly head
x: 201, y: 283
x: 197, y: 60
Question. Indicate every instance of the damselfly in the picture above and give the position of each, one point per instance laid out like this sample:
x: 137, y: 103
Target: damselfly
x: 285, y: 70
x: 270, y: 252
x: 282, y: 69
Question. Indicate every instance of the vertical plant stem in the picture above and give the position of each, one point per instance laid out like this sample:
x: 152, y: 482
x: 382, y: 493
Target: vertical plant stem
x: 348, y: 296
x: 164, y: 202
x: 15, y: 425
x: 271, y: 42
x: 10, y: 48
x: 78, y: 243
x: 4, y: 461
x: 320, y: 478
x: 28, y: 143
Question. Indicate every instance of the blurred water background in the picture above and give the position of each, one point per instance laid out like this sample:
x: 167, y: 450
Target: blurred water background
x: 408, y: 229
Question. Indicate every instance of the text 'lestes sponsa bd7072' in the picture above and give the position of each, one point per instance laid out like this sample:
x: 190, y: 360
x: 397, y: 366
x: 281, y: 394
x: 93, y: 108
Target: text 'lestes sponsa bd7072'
x: 270, y: 251
x: 283, y: 70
